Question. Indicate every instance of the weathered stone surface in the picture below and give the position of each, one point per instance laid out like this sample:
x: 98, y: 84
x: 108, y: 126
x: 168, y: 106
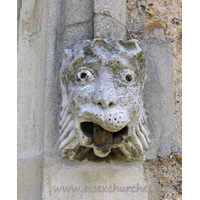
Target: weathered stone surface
x: 112, y: 8
x: 78, y: 11
x: 107, y: 27
x: 77, y: 32
x: 158, y: 98
x: 101, y: 83
x: 52, y: 91
x: 29, y: 179
x: 93, y: 180
x: 30, y: 18
x: 31, y: 83
x: 78, y: 22
x: 38, y: 88
x: 110, y: 19
x: 19, y: 5
x: 157, y: 33
x: 31, y: 96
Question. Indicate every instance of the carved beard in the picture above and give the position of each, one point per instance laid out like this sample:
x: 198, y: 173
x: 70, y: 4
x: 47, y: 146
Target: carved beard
x: 132, y: 145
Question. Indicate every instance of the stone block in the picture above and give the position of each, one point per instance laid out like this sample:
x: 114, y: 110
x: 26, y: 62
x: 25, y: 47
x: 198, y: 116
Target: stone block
x: 158, y: 98
x: 31, y: 96
x: 30, y: 18
x: 114, y: 9
x: 67, y: 180
x: 29, y: 179
x: 31, y: 89
x: 74, y: 33
x: 107, y: 27
x: 78, y: 11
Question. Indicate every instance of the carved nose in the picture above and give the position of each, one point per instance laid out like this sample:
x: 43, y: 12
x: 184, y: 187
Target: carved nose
x: 105, y: 103
x: 105, y: 98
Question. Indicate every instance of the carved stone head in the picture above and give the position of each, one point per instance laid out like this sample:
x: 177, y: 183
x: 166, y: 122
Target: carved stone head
x: 102, y: 108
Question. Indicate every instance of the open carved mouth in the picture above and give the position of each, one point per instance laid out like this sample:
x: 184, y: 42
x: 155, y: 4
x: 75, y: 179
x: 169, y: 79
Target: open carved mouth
x: 102, y: 139
x: 88, y: 129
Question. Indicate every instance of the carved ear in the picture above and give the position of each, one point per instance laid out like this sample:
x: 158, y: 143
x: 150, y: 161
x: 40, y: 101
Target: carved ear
x: 68, y: 53
x: 132, y: 46
x: 67, y: 57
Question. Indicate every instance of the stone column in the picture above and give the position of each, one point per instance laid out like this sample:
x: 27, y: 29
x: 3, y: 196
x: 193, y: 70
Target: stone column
x: 31, y: 96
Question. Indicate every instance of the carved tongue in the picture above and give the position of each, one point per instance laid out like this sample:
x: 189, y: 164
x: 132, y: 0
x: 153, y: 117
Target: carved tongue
x: 102, y: 141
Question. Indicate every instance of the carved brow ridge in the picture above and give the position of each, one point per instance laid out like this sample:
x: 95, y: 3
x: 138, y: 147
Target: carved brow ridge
x: 81, y: 60
x: 113, y: 62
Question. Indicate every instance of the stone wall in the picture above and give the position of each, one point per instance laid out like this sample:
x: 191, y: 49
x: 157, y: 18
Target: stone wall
x: 144, y: 16
x: 42, y: 36
x: 31, y: 97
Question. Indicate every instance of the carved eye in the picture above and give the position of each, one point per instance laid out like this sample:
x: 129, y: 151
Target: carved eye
x: 127, y: 76
x: 84, y: 75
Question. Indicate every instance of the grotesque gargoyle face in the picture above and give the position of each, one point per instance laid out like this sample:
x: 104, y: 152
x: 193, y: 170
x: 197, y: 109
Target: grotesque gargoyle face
x: 102, y: 82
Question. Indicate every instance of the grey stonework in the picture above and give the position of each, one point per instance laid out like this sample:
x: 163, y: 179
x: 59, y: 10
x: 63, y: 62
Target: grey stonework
x: 158, y: 98
x: 40, y: 52
x: 106, y: 27
x: 109, y: 19
x: 77, y: 19
x: 93, y: 19
x: 157, y: 95
x: 31, y: 80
